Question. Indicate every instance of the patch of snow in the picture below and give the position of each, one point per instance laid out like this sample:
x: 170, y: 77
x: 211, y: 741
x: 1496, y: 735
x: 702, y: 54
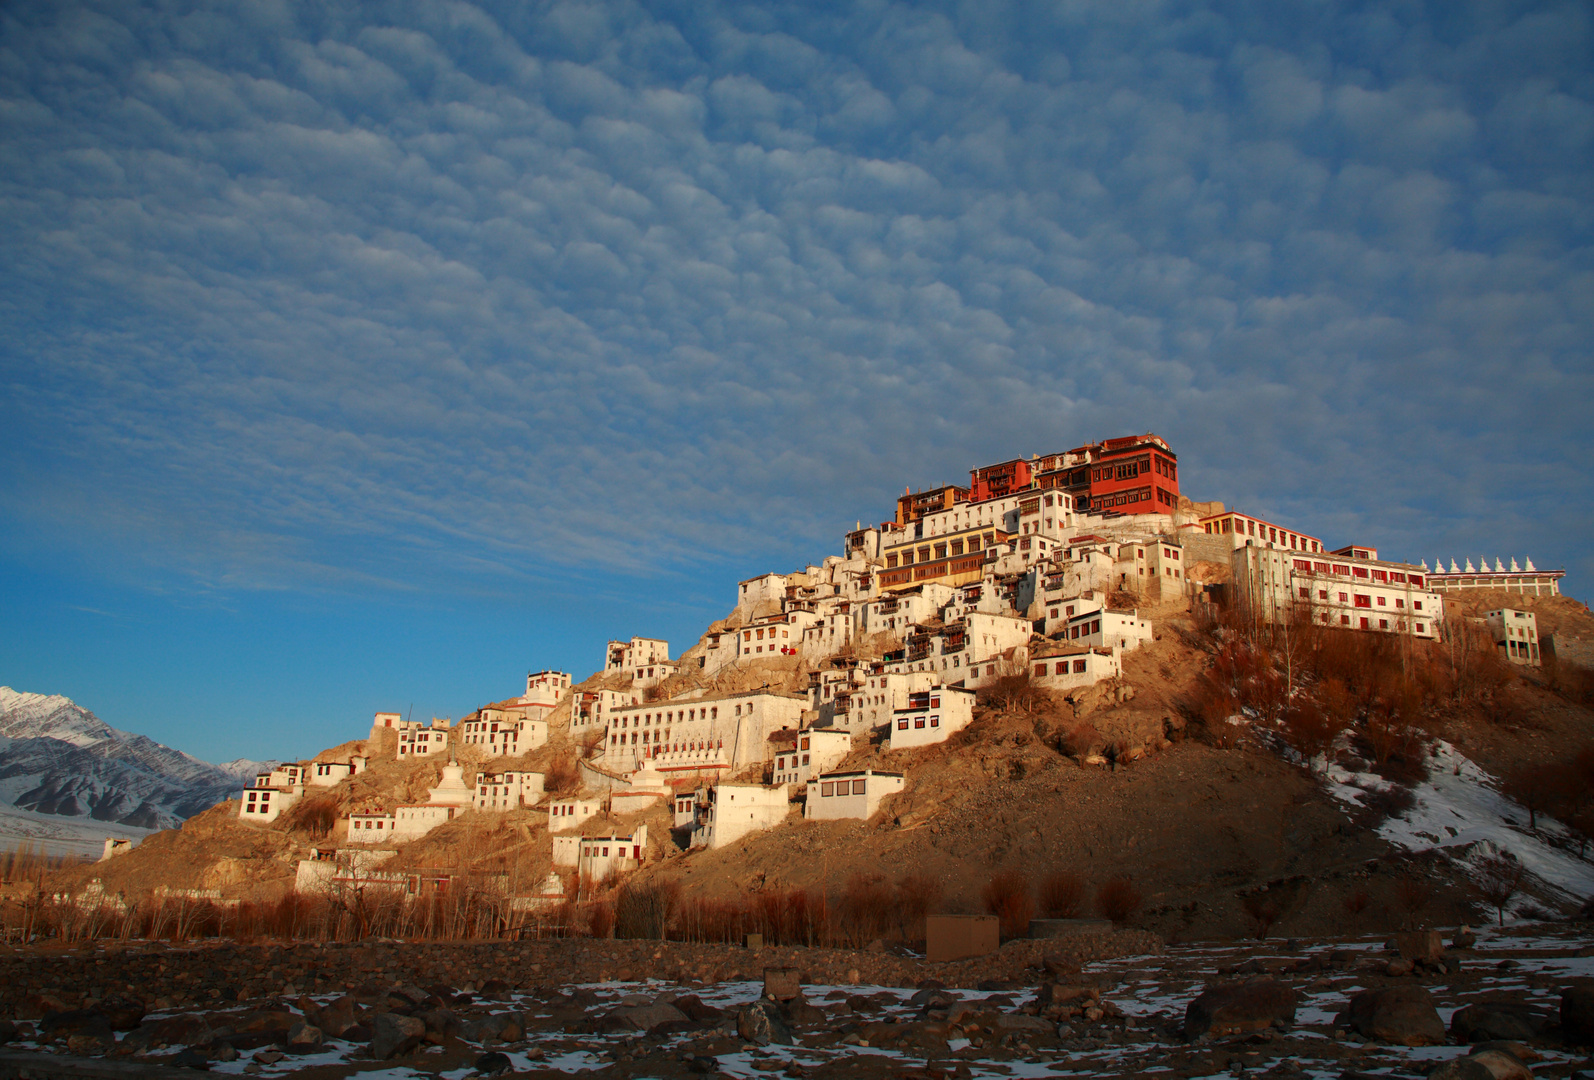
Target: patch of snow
x: 1460, y: 805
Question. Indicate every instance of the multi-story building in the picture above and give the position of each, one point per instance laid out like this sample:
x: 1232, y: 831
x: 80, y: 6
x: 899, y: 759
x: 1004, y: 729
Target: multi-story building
x: 567, y: 814
x: 913, y: 507
x: 1526, y: 579
x: 691, y: 737
x: 645, y: 661
x: 1137, y: 474
x: 507, y: 790
x: 590, y: 709
x: 1516, y: 634
x: 931, y: 716
x: 545, y: 688
x: 731, y: 811
x: 1245, y: 530
x: 1064, y: 665
x: 1350, y: 592
x: 273, y: 793
x: 506, y: 730
x: 809, y: 753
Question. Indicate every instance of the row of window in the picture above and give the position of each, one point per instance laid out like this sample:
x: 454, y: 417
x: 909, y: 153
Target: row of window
x: 918, y: 722
x: 828, y: 788
x: 1263, y: 531
x: 1386, y: 577
x: 950, y: 549
x: 1061, y: 667
x: 1365, y: 623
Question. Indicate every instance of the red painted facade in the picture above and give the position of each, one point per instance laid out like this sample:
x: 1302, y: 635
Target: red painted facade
x: 994, y: 481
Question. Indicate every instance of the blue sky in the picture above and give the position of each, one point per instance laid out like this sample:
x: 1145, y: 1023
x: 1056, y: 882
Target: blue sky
x: 360, y: 356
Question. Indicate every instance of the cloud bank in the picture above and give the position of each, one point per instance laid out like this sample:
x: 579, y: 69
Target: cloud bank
x: 461, y: 298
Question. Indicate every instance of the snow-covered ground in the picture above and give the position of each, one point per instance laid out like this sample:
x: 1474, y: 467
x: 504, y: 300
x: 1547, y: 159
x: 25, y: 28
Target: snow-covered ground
x: 1460, y: 805
x: 54, y: 834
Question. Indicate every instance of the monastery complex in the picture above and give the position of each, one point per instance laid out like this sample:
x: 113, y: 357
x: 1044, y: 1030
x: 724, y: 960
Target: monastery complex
x: 1038, y: 569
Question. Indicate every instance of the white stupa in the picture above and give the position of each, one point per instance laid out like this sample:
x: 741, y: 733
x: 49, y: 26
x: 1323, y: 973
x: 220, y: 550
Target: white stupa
x: 451, y: 790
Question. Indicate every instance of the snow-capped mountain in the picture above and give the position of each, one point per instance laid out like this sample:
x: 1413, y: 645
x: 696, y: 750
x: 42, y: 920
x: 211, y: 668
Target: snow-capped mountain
x: 58, y: 758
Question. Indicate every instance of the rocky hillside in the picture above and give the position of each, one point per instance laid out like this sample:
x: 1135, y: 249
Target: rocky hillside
x: 57, y: 758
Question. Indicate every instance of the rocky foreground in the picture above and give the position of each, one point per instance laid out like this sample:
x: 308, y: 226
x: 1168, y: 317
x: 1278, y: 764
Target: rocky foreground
x: 1502, y: 1007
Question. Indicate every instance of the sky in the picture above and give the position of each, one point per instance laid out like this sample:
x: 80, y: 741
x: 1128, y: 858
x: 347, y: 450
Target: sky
x: 361, y: 356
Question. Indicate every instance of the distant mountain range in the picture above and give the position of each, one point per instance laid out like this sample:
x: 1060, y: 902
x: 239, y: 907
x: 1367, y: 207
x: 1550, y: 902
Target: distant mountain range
x: 57, y: 758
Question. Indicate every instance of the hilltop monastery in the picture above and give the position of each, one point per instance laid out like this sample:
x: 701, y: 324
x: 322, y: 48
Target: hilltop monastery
x: 1038, y: 567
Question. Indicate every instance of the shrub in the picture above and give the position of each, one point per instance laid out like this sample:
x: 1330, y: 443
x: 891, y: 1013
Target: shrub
x: 1264, y: 909
x: 1118, y: 899
x: 600, y: 919
x: 1078, y: 740
x: 916, y: 894
x: 645, y: 910
x: 1355, y: 904
x: 1007, y: 897
x: 866, y: 908
x: 1062, y: 895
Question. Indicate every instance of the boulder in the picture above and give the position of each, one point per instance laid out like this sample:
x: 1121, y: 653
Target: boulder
x: 1463, y: 938
x: 124, y: 1013
x: 699, y: 1013
x: 1462, y: 1068
x: 68, y: 1022
x: 1577, y: 1014
x: 302, y: 1038
x: 1521, y: 1051
x: 782, y: 983
x: 440, y: 1023
x: 496, y: 990
x: 643, y: 1017
x: 1485, y: 1020
x: 1501, y: 1065
x: 8, y: 1031
x: 338, y: 1016
x: 184, y: 1029
x: 1424, y: 945
x: 1240, y: 1008
x: 1402, y: 1015
x: 493, y: 1064
x: 760, y: 1024
x: 392, y: 1034
x: 802, y: 1015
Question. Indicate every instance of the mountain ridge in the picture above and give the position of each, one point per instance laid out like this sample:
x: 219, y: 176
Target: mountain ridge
x: 58, y: 758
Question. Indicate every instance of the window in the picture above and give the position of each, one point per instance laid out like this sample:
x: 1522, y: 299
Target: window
x: 827, y: 788
x: 1079, y: 667
x: 1419, y: 628
x: 1306, y: 594
x: 1416, y: 605
x: 1363, y: 601
x: 1040, y: 669
x: 1364, y: 625
x: 1322, y: 594
x: 940, y: 551
x: 1344, y: 620
x: 918, y: 721
x: 1383, y: 624
x: 857, y: 787
x: 891, y: 562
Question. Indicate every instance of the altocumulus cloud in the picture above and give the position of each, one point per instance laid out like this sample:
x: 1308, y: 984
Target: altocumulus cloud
x: 451, y: 296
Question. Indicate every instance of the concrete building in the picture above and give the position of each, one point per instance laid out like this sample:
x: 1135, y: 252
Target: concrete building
x: 1059, y: 612
x: 1247, y: 530
x: 811, y: 752
x: 590, y: 709
x: 599, y: 857
x: 371, y: 827
x: 332, y: 773
x: 698, y: 736
x: 832, y: 796
x: 273, y: 793
x: 567, y: 814
x: 1337, y: 590
x: 884, y: 692
x: 1516, y: 635
x: 507, y: 790
x: 1063, y: 667
x: 1525, y: 579
x: 930, y: 716
x: 545, y: 689
x: 772, y: 636
x: 1136, y: 474
x: 1121, y: 630
x: 416, y: 738
x: 506, y: 730
x: 734, y: 810
x: 645, y: 661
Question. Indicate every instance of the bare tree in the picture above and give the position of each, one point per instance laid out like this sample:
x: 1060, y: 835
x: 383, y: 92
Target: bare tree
x: 1500, y: 876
